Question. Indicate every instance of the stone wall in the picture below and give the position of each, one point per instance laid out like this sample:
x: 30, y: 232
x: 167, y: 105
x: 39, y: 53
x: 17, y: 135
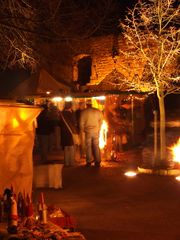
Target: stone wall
x: 101, y: 50
x: 63, y: 63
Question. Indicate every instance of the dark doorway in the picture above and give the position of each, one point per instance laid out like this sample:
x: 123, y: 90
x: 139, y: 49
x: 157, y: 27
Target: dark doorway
x: 84, y: 70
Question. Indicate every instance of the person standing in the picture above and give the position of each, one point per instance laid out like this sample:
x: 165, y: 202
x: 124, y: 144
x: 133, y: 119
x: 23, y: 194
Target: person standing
x: 90, y: 123
x: 55, y: 135
x: 68, y: 125
x: 81, y: 134
x: 43, y: 131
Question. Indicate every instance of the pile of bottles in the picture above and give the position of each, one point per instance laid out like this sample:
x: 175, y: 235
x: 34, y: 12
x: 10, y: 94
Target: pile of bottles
x: 15, y: 210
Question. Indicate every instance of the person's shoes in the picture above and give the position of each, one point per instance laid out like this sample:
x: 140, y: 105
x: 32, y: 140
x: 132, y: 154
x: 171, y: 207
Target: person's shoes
x: 88, y: 164
x: 97, y: 164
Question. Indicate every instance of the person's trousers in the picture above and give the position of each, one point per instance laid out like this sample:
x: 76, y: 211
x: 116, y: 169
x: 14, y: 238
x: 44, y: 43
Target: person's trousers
x: 92, y: 147
x: 69, y: 155
x: 43, y: 141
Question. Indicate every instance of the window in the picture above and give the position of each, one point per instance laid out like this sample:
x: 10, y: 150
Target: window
x: 84, y: 70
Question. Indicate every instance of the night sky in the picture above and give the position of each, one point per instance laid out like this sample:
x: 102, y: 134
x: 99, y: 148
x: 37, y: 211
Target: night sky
x: 116, y: 11
x: 119, y: 10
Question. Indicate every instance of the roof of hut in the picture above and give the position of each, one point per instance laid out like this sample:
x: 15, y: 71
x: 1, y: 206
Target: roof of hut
x: 113, y: 81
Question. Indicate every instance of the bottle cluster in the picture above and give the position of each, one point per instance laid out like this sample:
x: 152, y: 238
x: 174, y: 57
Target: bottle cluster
x: 16, y: 210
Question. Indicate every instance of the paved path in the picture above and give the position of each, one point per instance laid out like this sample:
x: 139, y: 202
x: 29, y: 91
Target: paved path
x: 109, y: 206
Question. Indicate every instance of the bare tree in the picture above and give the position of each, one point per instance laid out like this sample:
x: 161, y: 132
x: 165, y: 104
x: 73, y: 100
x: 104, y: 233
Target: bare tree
x: 26, y: 24
x: 15, y: 17
x: 152, y: 31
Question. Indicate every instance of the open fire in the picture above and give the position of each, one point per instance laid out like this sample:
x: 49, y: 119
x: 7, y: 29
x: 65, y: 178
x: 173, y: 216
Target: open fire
x: 176, y: 151
x: 103, y: 135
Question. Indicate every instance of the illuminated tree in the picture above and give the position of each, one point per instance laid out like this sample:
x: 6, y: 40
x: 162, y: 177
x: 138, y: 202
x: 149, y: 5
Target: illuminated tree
x: 151, y: 30
x: 26, y: 24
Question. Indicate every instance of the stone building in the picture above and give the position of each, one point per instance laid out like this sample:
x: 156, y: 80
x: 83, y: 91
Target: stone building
x: 90, y: 61
x: 98, y: 66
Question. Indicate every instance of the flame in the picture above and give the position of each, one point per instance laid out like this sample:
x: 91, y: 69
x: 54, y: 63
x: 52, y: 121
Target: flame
x: 103, y: 135
x: 176, y: 151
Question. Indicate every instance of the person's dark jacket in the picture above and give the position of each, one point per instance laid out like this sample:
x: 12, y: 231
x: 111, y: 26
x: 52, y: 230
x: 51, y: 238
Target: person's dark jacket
x: 44, y: 123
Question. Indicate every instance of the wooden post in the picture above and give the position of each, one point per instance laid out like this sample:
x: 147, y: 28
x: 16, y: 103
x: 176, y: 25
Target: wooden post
x: 155, y: 137
x: 132, y: 118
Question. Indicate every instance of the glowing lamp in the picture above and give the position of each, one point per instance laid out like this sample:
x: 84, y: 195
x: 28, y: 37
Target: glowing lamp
x: 100, y: 97
x: 57, y: 99
x: 15, y: 123
x: 23, y: 115
x: 130, y: 174
x: 178, y: 178
x: 68, y: 99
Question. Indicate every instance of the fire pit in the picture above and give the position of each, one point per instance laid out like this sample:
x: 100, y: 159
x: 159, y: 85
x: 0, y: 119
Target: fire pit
x: 171, y: 167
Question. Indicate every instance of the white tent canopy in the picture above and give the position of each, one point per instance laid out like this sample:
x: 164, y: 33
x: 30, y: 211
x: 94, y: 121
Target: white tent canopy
x: 38, y: 84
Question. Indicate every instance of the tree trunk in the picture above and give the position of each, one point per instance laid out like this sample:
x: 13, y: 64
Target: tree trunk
x: 162, y: 129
